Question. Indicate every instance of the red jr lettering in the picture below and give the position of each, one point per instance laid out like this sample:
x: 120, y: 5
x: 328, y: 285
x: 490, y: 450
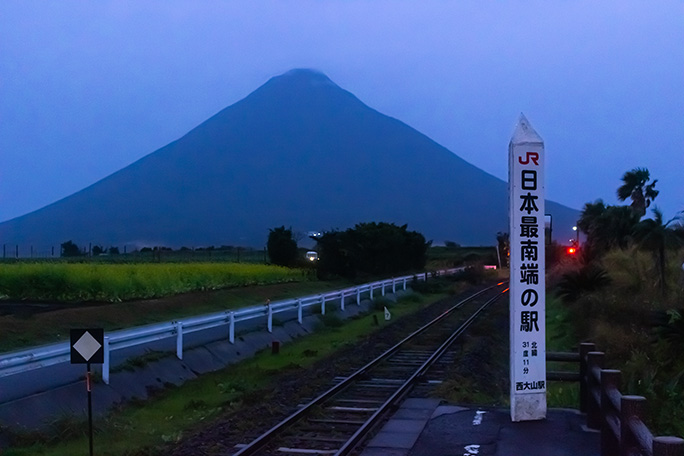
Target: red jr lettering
x: 534, y: 156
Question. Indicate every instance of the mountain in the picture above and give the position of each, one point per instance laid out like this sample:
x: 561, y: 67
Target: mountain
x: 299, y: 151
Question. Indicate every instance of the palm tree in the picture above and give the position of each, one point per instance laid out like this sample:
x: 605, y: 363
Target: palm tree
x: 635, y: 187
x: 607, y: 227
x: 657, y: 236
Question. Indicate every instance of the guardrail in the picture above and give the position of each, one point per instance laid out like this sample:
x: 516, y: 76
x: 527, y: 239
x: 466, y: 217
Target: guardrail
x: 620, y: 418
x: 39, y: 357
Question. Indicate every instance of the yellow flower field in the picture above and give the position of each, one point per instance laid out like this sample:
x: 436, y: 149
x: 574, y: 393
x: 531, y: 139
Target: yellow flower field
x: 119, y: 282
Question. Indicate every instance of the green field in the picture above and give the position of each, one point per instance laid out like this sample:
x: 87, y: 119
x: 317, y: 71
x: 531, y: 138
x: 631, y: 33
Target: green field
x: 103, y: 282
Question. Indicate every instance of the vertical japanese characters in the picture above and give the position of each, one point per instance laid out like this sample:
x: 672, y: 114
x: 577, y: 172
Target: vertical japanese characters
x: 530, y: 244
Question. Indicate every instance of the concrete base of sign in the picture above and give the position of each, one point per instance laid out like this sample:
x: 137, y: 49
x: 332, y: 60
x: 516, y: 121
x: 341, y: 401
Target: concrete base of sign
x: 528, y: 407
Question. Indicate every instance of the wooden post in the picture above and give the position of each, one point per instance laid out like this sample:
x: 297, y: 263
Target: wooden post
x: 594, y: 360
x: 610, y: 434
x: 668, y: 446
x: 631, y: 407
x: 585, y: 348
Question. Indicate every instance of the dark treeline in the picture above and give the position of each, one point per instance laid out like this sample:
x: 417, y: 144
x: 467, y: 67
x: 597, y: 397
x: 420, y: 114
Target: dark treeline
x: 71, y: 251
x: 371, y: 249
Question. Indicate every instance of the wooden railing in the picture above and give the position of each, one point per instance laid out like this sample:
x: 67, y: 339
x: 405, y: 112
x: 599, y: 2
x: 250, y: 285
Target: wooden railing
x: 620, y: 418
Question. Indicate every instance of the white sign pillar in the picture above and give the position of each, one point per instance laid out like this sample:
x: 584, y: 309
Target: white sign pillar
x: 527, y: 283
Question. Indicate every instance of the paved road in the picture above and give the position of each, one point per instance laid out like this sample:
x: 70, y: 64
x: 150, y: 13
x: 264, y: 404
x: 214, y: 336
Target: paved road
x: 423, y: 427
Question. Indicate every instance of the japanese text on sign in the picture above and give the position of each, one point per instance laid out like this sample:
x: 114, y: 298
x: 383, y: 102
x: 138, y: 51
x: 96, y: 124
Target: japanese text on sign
x: 527, y: 274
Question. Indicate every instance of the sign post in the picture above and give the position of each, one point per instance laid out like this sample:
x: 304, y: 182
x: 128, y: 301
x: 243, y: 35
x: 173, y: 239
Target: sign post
x: 527, y: 280
x: 86, y: 348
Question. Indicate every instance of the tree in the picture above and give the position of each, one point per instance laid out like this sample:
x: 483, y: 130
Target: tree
x: 382, y: 248
x: 69, y: 249
x: 607, y: 227
x: 334, y: 254
x: 281, y: 246
x: 371, y: 248
x: 656, y: 236
x: 635, y: 186
x: 98, y: 250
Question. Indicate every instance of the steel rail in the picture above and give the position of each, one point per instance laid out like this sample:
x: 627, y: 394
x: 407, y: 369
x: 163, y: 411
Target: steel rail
x: 404, y: 389
x: 263, y: 440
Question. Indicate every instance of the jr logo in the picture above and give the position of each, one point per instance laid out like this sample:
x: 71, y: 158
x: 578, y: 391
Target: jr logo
x: 533, y: 156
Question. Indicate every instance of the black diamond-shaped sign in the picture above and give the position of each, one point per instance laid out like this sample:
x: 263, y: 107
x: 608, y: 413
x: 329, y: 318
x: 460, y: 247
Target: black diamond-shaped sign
x: 87, y: 346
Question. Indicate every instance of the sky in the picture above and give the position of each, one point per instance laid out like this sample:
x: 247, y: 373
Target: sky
x: 87, y: 88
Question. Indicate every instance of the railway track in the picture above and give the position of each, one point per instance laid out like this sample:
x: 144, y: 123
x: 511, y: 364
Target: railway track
x: 338, y: 420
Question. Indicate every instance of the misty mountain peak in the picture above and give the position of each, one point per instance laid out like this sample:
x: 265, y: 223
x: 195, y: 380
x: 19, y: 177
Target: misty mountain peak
x: 307, y: 75
x: 302, y: 79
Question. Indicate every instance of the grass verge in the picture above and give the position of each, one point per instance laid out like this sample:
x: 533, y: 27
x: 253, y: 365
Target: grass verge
x: 561, y: 337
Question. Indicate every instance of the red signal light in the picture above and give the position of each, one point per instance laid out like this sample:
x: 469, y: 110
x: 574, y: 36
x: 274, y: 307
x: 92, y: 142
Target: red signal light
x: 572, y: 250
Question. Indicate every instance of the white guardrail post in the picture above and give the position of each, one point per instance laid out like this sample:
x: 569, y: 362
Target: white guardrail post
x: 404, y: 283
x: 358, y: 296
x: 371, y: 291
x: 270, y: 318
x: 179, y: 339
x: 342, y: 300
x: 322, y: 304
x: 105, y: 364
x: 394, y: 285
x: 231, y: 327
x: 299, y: 311
x: 383, y: 288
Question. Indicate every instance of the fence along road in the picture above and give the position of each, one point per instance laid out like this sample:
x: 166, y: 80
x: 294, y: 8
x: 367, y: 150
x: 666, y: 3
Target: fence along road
x: 163, y: 336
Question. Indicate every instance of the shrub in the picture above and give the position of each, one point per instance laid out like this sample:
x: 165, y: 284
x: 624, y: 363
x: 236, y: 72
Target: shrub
x: 586, y: 279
